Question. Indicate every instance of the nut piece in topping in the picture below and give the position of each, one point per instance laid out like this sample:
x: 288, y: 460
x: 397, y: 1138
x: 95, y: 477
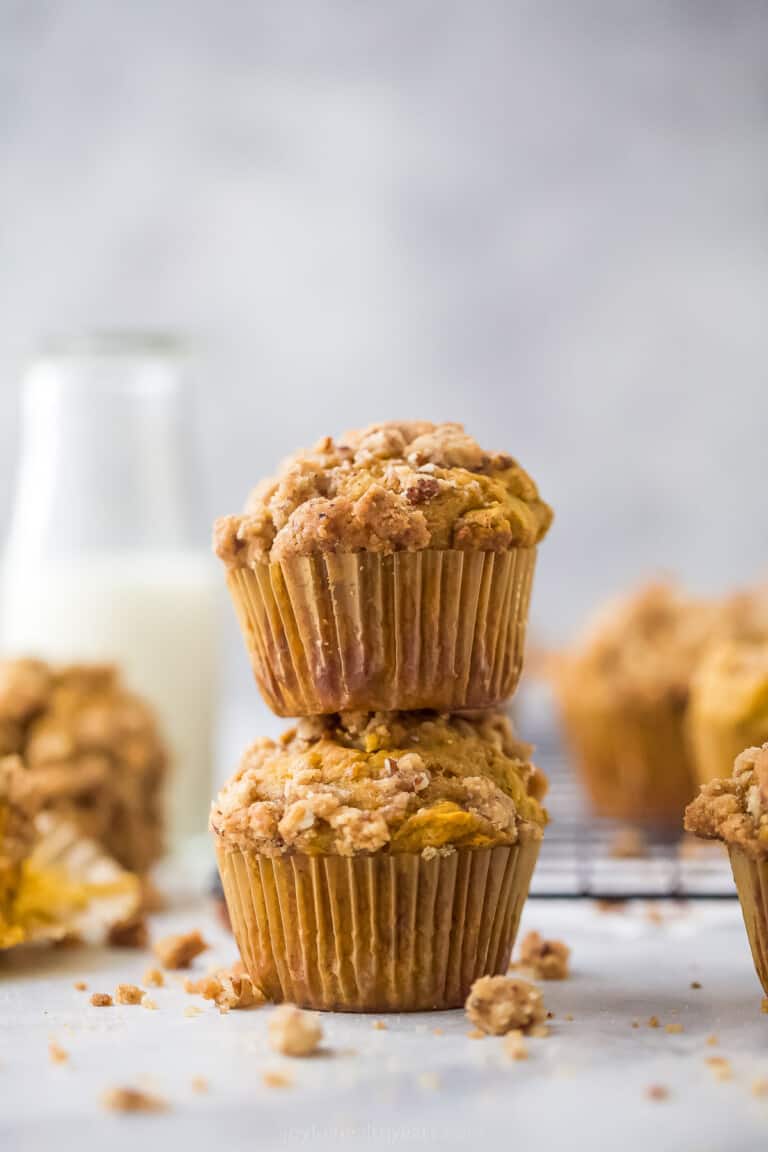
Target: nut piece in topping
x: 133, y: 1100
x: 179, y: 951
x: 101, y: 1000
x: 499, y: 1004
x: 128, y: 994
x: 547, y: 959
x: 293, y: 1032
x: 130, y: 933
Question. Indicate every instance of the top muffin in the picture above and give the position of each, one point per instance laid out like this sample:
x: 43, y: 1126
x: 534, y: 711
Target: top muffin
x: 391, y: 487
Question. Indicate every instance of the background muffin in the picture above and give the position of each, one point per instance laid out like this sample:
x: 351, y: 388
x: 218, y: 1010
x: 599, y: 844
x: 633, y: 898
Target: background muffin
x: 375, y: 862
x: 729, y: 705
x: 91, y: 751
x: 623, y: 694
x: 390, y: 570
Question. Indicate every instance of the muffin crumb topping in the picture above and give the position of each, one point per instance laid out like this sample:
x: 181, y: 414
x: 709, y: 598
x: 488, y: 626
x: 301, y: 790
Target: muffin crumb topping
x: 499, y: 1004
x: 735, y: 809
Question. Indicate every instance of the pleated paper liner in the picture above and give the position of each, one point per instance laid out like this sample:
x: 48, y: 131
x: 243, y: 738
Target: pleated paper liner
x: 380, y: 933
x: 68, y: 886
x: 431, y: 629
x: 751, y: 878
x: 635, y: 764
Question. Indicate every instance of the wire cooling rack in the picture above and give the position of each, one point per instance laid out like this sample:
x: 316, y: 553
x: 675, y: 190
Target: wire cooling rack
x: 578, y: 853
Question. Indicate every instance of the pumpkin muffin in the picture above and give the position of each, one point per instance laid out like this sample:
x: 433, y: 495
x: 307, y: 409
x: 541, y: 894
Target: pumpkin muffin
x: 729, y: 705
x: 52, y: 883
x: 376, y: 862
x: 735, y: 810
x: 91, y: 750
x: 623, y: 695
x: 389, y: 570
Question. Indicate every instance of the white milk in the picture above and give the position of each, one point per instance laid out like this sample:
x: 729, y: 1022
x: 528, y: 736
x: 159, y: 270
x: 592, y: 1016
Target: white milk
x: 154, y: 615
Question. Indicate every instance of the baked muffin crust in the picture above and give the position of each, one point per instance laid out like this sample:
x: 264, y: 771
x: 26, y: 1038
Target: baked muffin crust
x: 399, y: 782
x: 397, y: 486
x: 735, y: 809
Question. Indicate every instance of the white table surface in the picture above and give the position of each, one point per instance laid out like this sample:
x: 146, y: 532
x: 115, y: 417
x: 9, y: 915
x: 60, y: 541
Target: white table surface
x: 404, y: 1087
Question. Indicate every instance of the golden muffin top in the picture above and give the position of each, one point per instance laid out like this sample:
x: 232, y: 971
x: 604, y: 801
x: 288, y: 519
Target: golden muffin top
x: 731, y: 683
x: 397, y: 486
x: 735, y: 810
x: 397, y: 782
x: 644, y: 647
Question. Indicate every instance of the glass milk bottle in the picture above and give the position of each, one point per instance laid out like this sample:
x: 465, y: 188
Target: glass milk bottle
x: 99, y: 563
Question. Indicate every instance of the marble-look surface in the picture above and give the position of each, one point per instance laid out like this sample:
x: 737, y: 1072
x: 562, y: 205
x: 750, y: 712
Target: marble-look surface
x: 584, y: 1086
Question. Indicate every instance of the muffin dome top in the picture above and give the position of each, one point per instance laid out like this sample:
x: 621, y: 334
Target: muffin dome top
x: 396, y: 486
x: 735, y: 810
x: 399, y: 782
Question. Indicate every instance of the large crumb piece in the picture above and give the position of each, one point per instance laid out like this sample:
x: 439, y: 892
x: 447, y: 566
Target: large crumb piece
x: 179, y: 951
x: 499, y: 1004
x: 129, y: 994
x: 57, y: 1054
x: 153, y: 978
x: 101, y: 1000
x: 547, y: 959
x: 228, y: 990
x: 133, y: 1100
x: 293, y: 1032
x: 129, y: 933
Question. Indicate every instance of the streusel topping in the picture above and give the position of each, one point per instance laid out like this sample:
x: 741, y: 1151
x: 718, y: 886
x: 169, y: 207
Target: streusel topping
x: 735, y: 809
x: 402, y: 782
x: 398, y: 486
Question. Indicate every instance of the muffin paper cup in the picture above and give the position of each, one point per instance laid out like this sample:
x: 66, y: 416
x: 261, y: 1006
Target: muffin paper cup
x: 751, y: 878
x: 380, y: 933
x: 67, y: 887
x: 440, y: 629
x: 634, y: 763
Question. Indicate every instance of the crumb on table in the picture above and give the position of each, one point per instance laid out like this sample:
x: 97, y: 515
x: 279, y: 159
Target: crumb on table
x: 129, y: 933
x: 276, y: 1079
x: 228, y: 988
x: 499, y: 1004
x: 154, y: 978
x: 293, y: 1032
x: 180, y: 950
x: 514, y: 1045
x: 657, y: 1092
x: 133, y: 1100
x: 80, y: 986
x: 101, y: 1000
x: 547, y: 959
x: 199, y: 1084
x: 129, y: 994
x: 57, y: 1054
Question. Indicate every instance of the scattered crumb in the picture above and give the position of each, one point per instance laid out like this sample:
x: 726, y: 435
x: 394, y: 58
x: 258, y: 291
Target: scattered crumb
x: 568, y: 1016
x: 129, y: 933
x: 293, y: 1032
x: 628, y: 844
x: 228, y: 989
x: 760, y: 1087
x: 497, y: 1004
x: 132, y: 1100
x: 657, y: 1092
x: 153, y: 978
x: 514, y: 1045
x: 539, y: 1031
x: 437, y: 1032
x: 608, y: 906
x: 673, y: 1028
x: 477, y: 1034
x: 380, y: 1025
x: 720, y: 1066
x: 653, y: 1022
x: 80, y: 986
x: 148, y: 1002
x: 695, y: 985
x: 199, y: 1084
x: 429, y: 1080
x: 547, y: 959
x: 129, y: 994
x: 57, y: 1054
x: 179, y: 951
x: 276, y: 1080
x: 192, y: 1010
x: 653, y: 915
x: 101, y: 1000
x: 712, y: 1040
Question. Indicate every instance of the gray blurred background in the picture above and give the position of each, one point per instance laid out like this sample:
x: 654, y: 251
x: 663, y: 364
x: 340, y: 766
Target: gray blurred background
x: 545, y: 219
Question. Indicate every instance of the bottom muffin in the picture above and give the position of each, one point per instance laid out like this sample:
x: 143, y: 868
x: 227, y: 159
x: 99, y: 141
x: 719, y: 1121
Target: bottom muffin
x: 379, y: 862
x: 735, y: 810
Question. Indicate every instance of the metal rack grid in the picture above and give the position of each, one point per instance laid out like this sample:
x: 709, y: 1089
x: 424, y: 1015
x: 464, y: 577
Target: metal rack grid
x: 576, y: 858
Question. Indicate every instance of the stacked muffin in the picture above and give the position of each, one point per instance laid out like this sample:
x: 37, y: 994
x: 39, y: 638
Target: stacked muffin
x: 378, y: 855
